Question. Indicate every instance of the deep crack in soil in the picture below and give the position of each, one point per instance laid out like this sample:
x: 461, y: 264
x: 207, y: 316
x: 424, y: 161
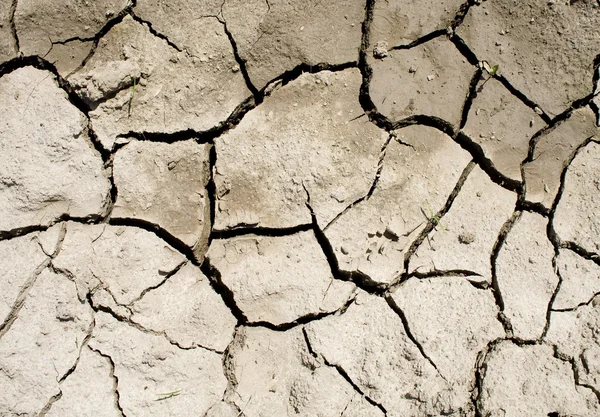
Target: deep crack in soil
x: 349, y: 208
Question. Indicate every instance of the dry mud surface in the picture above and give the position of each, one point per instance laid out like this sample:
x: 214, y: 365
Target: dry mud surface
x: 330, y: 208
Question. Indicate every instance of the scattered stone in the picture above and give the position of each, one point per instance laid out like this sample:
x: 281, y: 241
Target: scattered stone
x: 551, y: 154
x: 39, y: 349
x: 370, y: 344
x: 277, y: 36
x: 453, y: 321
x: 48, y: 167
x: 471, y: 229
x: 278, y: 150
x: 380, y: 50
x: 278, y: 279
x: 147, y: 365
x: 512, y: 121
x: 89, y: 389
x: 530, y: 381
x: 580, y: 280
x: 188, y: 310
x: 275, y: 371
x: 397, y: 93
x: 548, y: 61
x: 179, y: 88
x: 421, y: 172
x: 125, y: 260
x: 466, y: 238
x: 402, y: 21
x: 577, y: 217
x: 526, y: 276
x: 165, y: 184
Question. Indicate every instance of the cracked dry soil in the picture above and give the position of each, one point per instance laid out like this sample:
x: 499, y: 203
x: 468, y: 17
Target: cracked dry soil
x: 269, y: 208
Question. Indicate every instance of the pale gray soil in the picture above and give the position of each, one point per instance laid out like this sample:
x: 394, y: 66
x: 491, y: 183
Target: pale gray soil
x: 316, y: 208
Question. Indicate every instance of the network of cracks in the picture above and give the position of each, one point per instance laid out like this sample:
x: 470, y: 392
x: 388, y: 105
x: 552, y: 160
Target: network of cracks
x: 283, y: 208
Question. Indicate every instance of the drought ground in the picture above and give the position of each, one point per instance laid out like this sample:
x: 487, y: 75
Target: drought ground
x: 344, y: 208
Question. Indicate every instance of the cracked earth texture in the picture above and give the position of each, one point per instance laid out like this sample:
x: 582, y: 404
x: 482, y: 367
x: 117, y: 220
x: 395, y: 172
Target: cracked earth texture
x: 267, y: 208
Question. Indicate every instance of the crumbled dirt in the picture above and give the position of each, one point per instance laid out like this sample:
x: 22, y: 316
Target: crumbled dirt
x: 345, y: 208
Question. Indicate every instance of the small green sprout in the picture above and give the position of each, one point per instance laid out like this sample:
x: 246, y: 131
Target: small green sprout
x: 434, y: 217
x: 131, y: 97
x: 492, y: 71
x: 489, y: 69
x: 168, y: 395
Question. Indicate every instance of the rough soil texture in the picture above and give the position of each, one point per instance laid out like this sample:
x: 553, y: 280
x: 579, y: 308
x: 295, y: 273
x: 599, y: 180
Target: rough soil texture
x: 349, y: 208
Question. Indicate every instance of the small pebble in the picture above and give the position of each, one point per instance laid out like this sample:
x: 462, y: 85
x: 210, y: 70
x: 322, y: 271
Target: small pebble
x: 466, y: 238
x: 380, y: 50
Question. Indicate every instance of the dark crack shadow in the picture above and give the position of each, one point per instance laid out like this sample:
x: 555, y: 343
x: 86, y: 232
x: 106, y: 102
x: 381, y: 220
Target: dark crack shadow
x: 423, y: 39
x: 566, y: 358
x: 578, y: 306
x: 114, y: 377
x: 115, y: 20
x: 342, y: 372
x: 374, y: 184
x: 396, y: 308
x: 555, y: 239
x: 84, y: 344
x: 87, y: 130
x: 549, y: 308
x: 554, y: 123
x: 361, y: 280
x: 596, y: 86
x: 552, y: 235
x: 474, y: 90
x: 443, y: 126
x: 244, y: 230
x: 450, y: 273
x: 258, y: 96
x: 129, y: 321
x: 480, y: 372
x: 237, y: 115
x: 496, y: 290
x: 431, y: 224
x: 206, y: 136
x: 306, y: 319
x: 214, y: 276
x: 13, y: 27
x: 22, y: 231
x: 146, y: 290
x: 44, y: 65
x: 155, y: 32
x: 28, y: 284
